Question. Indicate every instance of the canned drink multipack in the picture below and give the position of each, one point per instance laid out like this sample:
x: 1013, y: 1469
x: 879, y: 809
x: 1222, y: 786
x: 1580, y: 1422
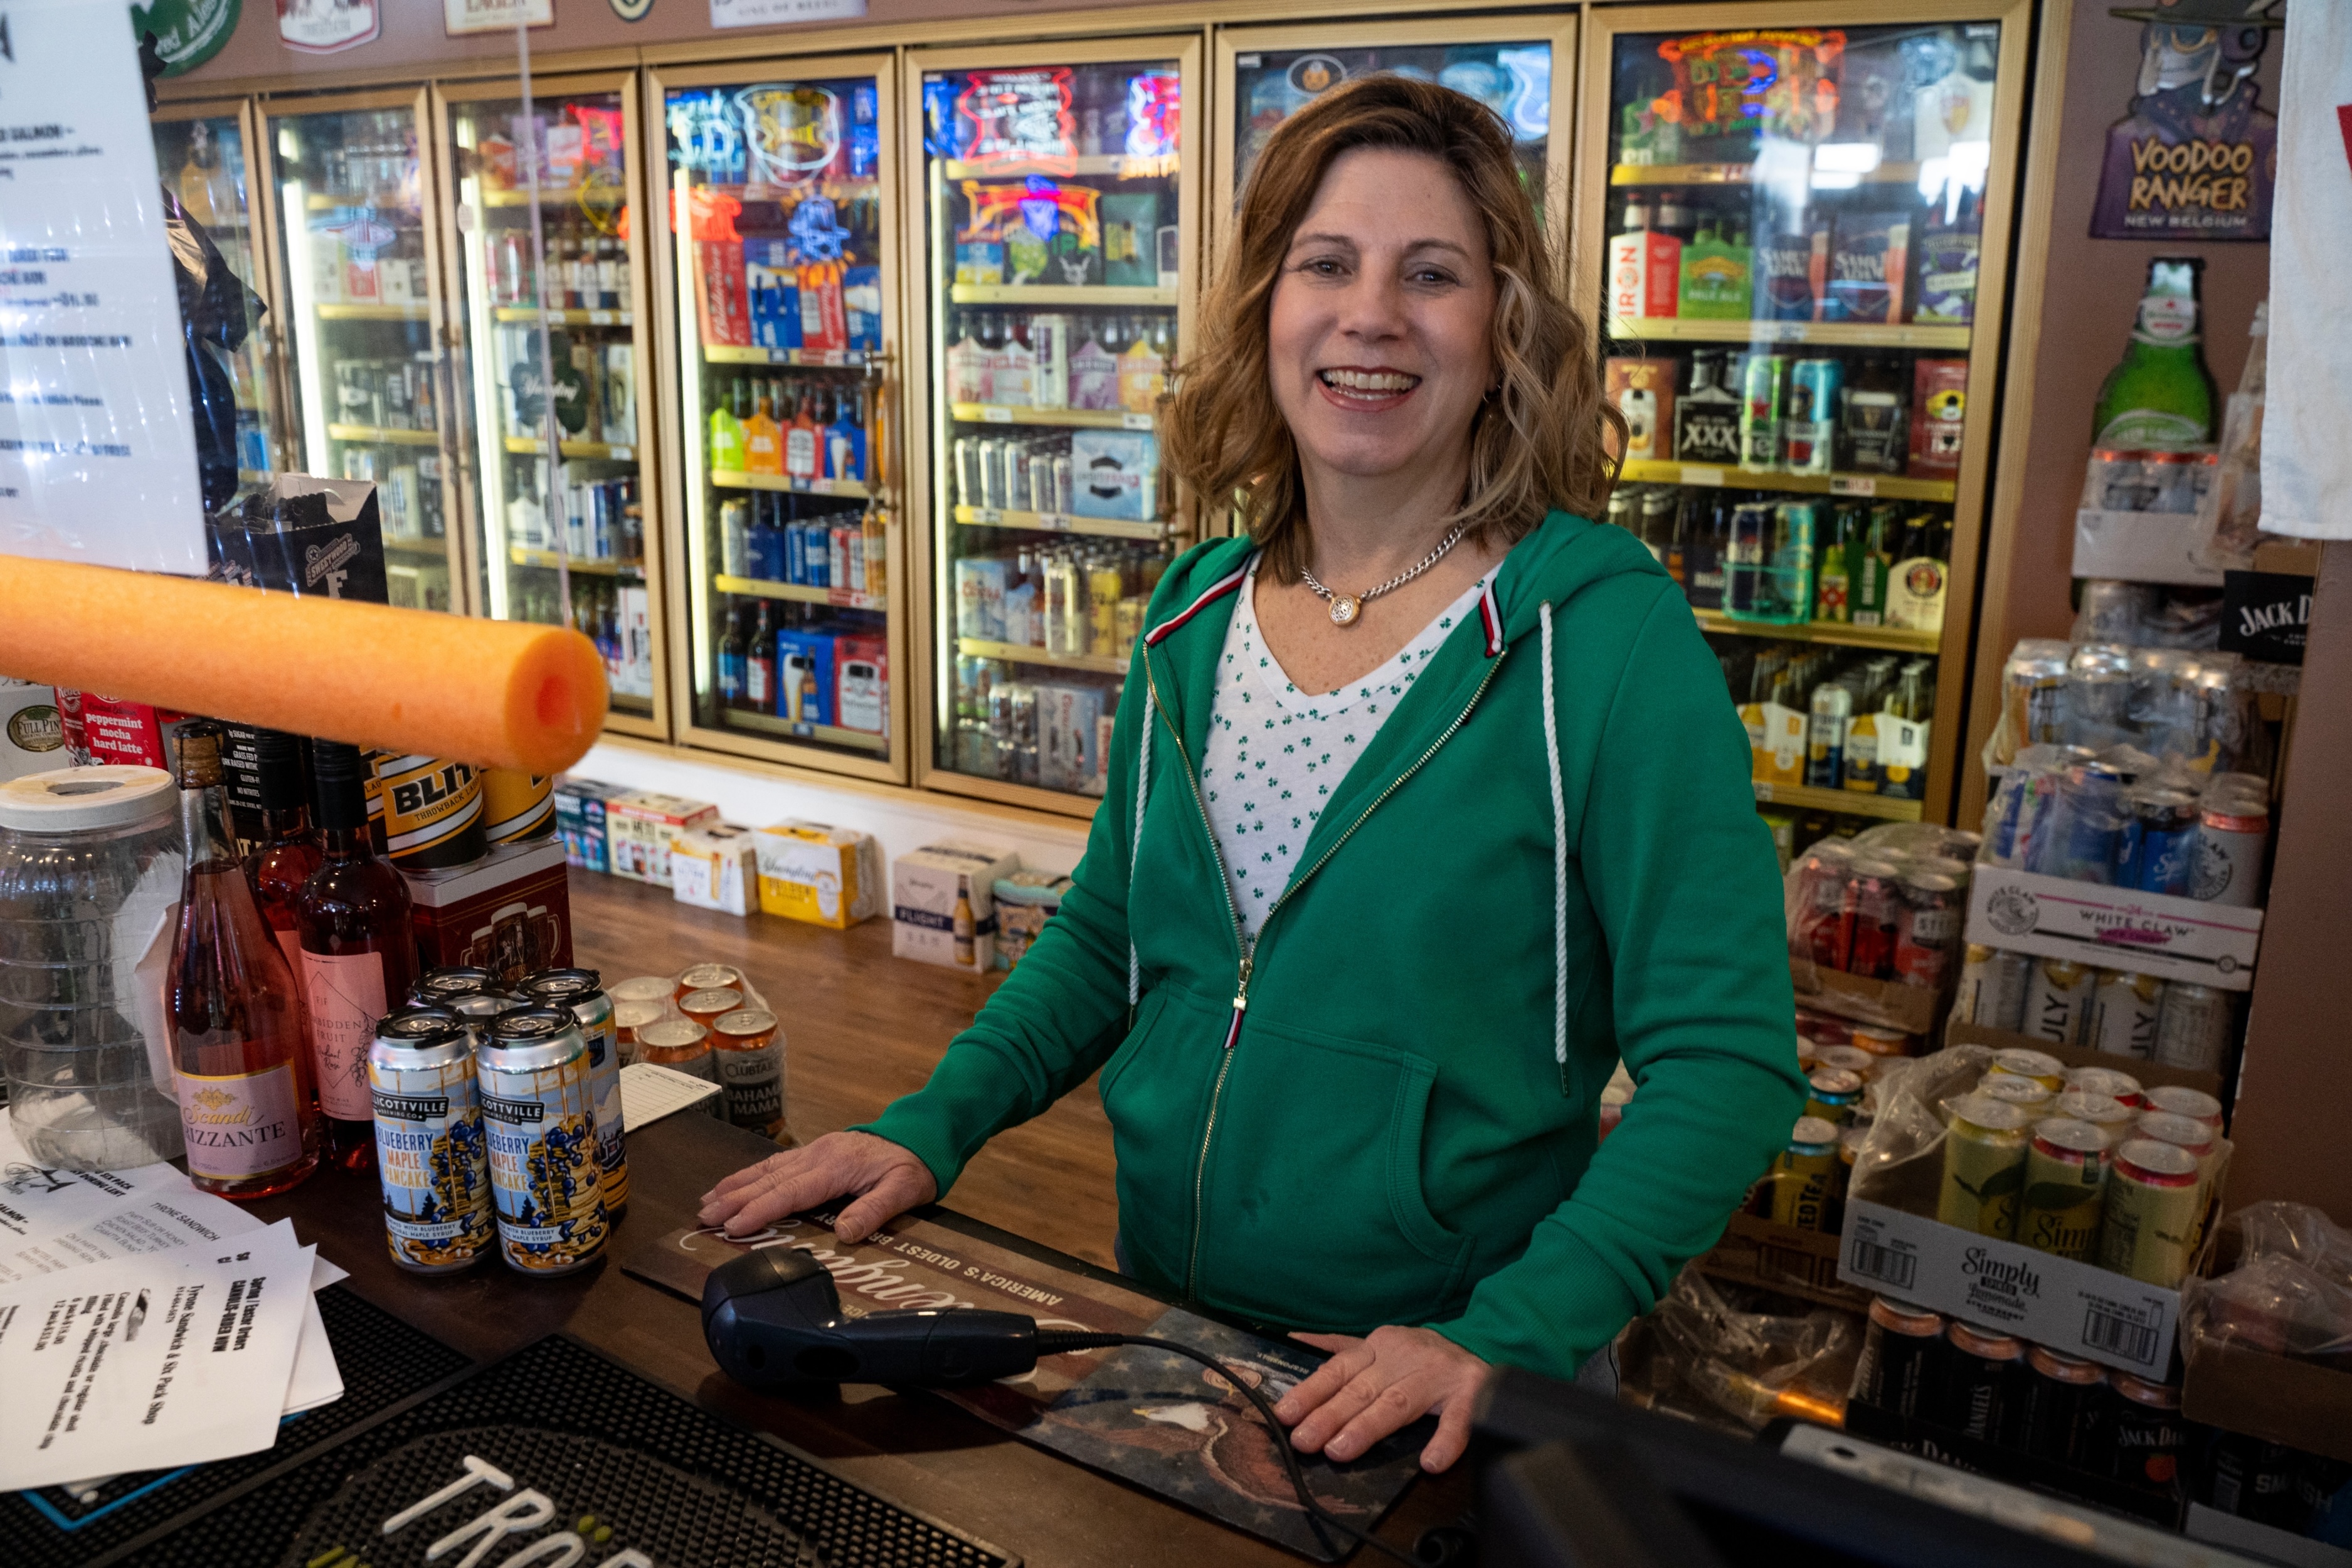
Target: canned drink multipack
x: 540, y: 1117
x: 430, y: 1156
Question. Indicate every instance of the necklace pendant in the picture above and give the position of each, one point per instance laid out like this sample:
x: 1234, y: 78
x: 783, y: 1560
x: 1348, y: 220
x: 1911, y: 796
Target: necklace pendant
x: 1345, y: 608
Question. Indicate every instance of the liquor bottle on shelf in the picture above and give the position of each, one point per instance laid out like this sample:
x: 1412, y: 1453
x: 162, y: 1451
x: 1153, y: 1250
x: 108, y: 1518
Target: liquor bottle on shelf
x: 237, y: 1062
x: 759, y: 664
x: 727, y: 432
x: 804, y: 451
x: 731, y: 663
x: 2160, y: 396
x: 359, y: 951
x: 968, y: 366
x: 289, y: 848
x: 763, y: 445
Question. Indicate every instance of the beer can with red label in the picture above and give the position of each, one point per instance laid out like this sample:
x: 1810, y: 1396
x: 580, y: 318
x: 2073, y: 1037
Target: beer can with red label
x: 1873, y: 906
x: 1933, y: 907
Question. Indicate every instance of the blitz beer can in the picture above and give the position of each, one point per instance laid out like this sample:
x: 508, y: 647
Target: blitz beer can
x: 540, y: 1122
x: 432, y: 812
x: 429, y: 1154
x: 517, y: 806
x: 581, y: 990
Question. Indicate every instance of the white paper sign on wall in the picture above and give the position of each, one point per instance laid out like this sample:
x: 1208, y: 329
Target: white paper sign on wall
x: 324, y: 27
x: 98, y: 447
x: 459, y: 18
x: 779, y: 13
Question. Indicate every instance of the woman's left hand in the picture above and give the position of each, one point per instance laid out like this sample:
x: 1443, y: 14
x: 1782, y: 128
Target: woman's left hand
x: 1374, y: 1386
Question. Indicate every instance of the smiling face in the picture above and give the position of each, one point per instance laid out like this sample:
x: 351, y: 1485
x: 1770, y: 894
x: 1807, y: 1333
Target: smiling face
x: 1378, y: 336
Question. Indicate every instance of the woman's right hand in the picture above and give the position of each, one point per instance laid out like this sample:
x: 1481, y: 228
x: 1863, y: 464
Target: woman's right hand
x: 883, y: 1180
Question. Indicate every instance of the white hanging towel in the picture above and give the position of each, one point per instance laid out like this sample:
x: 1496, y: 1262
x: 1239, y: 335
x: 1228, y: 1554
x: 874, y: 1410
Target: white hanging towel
x: 2307, y: 458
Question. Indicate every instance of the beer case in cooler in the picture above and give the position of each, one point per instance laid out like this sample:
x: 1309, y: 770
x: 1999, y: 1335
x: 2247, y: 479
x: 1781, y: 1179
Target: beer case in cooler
x: 1643, y: 392
x: 509, y: 912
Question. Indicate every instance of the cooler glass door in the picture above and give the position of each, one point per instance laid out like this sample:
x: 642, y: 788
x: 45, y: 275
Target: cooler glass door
x: 781, y: 295
x: 370, y: 382
x: 560, y: 539
x: 1793, y: 234
x: 1059, y: 223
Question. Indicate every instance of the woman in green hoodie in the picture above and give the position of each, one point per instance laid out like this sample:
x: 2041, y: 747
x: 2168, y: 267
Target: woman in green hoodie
x: 1427, y: 805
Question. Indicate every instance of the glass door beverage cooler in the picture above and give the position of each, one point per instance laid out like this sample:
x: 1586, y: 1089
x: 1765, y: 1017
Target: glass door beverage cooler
x: 556, y: 343
x: 1523, y: 68
x: 1059, y: 225
x: 360, y: 275
x: 203, y: 152
x: 1794, y: 220
x: 780, y: 299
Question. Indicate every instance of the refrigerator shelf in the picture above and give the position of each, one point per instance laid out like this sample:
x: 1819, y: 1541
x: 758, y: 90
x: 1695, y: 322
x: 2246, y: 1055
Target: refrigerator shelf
x: 556, y: 196
x: 1853, y: 803
x: 798, y: 729
x: 760, y: 588
x: 383, y: 436
x: 564, y: 318
x: 800, y: 359
x: 735, y: 480
x: 1900, y: 640
x: 1086, y: 418
x: 547, y: 558
x: 376, y: 312
x: 1742, y: 174
x: 1892, y: 487
x: 1830, y: 334
x: 1059, y: 522
x: 1102, y: 296
x: 1116, y: 165
x: 436, y: 548
x: 524, y: 447
x: 1021, y: 653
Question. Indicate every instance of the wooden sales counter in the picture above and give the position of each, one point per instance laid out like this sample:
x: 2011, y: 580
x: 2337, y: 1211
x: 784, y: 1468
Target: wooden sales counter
x: 862, y: 1028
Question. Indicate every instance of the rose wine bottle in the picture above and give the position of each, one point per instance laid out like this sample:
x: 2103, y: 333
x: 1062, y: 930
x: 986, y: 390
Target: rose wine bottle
x: 289, y: 848
x: 359, y: 953
x: 237, y: 1060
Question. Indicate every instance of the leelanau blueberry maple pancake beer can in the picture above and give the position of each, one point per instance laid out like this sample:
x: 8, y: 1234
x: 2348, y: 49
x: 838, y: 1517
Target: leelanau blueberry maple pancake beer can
x: 429, y: 1155
x: 539, y: 1114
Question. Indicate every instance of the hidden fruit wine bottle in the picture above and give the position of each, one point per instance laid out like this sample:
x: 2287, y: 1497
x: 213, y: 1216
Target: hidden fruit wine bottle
x: 237, y: 1062
x: 359, y: 952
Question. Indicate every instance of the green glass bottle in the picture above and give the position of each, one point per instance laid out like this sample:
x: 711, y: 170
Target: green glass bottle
x: 726, y: 448
x: 2160, y: 397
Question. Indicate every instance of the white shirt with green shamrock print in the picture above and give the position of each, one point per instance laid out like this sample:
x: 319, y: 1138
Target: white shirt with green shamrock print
x: 1276, y: 753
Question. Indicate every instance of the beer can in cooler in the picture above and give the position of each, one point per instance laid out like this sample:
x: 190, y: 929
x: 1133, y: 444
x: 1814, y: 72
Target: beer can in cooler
x: 2058, y: 1000
x: 1833, y: 1095
x: 992, y: 472
x: 1065, y: 483
x: 1811, y: 426
x: 2123, y: 1009
x: 1993, y: 984
x: 582, y: 991
x: 2023, y: 1091
x: 2181, y: 1132
x: 2180, y: 1100
x: 972, y: 489
x: 2113, y: 1082
x: 517, y: 807
x: 1903, y: 1359
x: 2158, y: 853
x: 683, y: 1046
x: 1984, y: 1160
x: 2062, y: 1423
x: 429, y: 1157
x: 2193, y: 1029
x: 2146, y: 1431
x: 2232, y: 837
x: 1049, y: 340
x: 2032, y: 690
x: 1984, y: 1392
x: 539, y: 1115
x: 2065, y: 1179
x: 1825, y: 732
x: 2039, y: 1066
x: 1824, y: 929
x: 1933, y: 909
x: 1874, y: 898
x: 1801, y: 1174
x: 1759, y: 411
x: 748, y: 1049
x: 2088, y: 841
x: 2104, y: 1111
x: 2151, y: 1211
x: 432, y: 812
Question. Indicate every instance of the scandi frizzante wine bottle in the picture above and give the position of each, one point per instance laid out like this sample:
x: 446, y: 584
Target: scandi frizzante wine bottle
x: 359, y: 951
x: 237, y: 1059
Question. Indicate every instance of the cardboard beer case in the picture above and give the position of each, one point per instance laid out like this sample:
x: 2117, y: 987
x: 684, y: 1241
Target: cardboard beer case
x: 640, y: 826
x: 924, y: 888
x: 2115, y: 928
x: 510, y: 912
x: 714, y: 867
x: 815, y: 873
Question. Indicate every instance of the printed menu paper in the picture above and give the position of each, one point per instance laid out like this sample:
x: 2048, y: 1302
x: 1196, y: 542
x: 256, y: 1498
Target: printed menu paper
x: 650, y: 1092
x: 98, y: 447
x: 146, y: 1363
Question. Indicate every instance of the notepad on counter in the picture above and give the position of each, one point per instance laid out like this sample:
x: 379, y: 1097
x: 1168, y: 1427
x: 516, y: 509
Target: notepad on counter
x: 649, y: 1092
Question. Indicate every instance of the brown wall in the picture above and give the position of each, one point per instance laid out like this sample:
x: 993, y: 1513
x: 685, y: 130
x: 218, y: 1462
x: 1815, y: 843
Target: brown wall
x: 2091, y: 290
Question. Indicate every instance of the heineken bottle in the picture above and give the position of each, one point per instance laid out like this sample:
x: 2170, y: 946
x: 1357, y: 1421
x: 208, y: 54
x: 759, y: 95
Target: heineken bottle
x: 2160, y: 397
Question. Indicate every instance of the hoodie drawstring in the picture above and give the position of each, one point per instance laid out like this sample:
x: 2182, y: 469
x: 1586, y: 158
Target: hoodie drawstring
x: 1135, y: 845
x: 1558, y: 863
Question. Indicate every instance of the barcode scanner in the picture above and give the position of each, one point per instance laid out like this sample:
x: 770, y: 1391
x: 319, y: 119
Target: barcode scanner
x: 773, y: 1322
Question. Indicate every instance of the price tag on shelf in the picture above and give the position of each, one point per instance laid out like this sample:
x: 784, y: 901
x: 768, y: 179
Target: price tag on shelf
x: 1854, y: 485
x: 601, y: 318
x: 987, y: 515
x: 1135, y: 421
x: 991, y: 414
x: 1054, y: 521
x: 1701, y: 476
x: 1763, y: 790
x: 1787, y: 331
x: 624, y: 454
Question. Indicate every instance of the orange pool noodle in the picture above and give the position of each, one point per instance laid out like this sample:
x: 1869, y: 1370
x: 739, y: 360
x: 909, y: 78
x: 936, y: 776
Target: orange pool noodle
x: 497, y: 693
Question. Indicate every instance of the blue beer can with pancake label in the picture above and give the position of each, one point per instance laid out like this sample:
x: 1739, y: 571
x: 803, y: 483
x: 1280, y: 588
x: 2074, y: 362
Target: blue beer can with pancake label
x: 539, y: 1118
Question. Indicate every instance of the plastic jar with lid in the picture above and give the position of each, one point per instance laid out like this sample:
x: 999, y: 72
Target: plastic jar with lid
x: 91, y: 868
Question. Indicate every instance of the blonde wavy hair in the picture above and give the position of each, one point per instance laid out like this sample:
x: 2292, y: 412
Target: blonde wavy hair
x: 1537, y: 443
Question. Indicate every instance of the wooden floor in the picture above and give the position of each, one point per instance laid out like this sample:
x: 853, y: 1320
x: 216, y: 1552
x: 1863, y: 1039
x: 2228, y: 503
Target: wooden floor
x: 862, y: 1028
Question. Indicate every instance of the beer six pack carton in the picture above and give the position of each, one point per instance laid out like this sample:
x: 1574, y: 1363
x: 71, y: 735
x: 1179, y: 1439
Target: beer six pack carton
x: 942, y: 903
x: 815, y: 873
x: 640, y: 824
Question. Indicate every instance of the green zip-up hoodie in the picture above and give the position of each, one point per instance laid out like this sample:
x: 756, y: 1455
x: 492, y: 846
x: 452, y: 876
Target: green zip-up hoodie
x: 1384, y: 1110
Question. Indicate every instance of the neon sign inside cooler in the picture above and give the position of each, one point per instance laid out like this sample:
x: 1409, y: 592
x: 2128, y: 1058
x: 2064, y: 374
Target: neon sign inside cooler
x: 1016, y: 117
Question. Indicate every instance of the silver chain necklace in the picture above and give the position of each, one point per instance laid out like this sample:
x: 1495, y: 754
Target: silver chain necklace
x: 1347, y: 608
